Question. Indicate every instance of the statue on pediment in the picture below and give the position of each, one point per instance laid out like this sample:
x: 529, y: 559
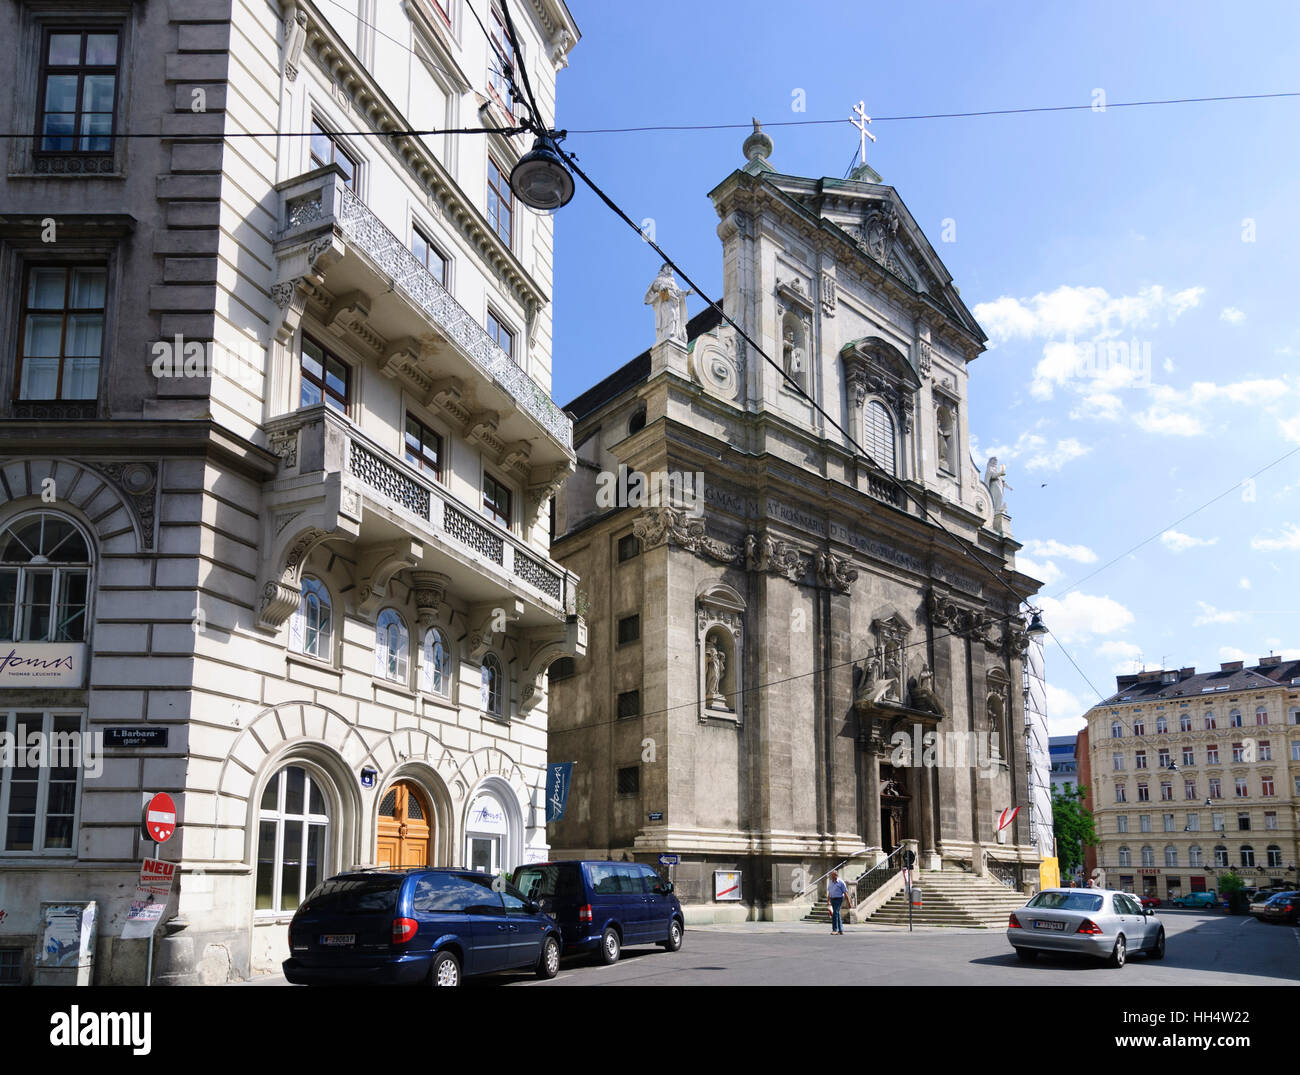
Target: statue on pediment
x: 995, y: 478
x: 669, y: 303
x: 922, y: 696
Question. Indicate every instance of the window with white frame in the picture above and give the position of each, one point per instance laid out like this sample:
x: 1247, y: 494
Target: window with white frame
x: 391, y: 641
x: 1220, y: 855
x: 1121, y: 823
x: 40, y: 785
x: 44, y: 580
x: 1125, y: 857
x: 435, y: 663
x: 1247, y: 855
x: 311, y: 628
x: 293, y: 830
x: 1274, y: 856
x: 1148, y: 856
x: 1116, y: 730
x: 1171, y: 855
x: 492, y: 693
x: 1185, y: 722
x: 1194, y: 854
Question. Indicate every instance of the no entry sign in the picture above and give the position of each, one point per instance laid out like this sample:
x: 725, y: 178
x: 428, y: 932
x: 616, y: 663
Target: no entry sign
x: 160, y: 818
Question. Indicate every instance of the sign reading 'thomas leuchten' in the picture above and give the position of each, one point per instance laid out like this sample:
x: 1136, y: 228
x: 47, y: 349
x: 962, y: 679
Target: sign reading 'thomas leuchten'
x: 42, y: 664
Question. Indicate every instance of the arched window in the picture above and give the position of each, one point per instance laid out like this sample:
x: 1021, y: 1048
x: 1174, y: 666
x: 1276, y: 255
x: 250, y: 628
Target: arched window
x: 1185, y: 722
x: 1116, y: 730
x: 878, y: 436
x: 311, y: 627
x: 1171, y: 855
x: 637, y: 422
x: 1261, y: 716
x: 491, y: 696
x: 44, y: 580
x: 1234, y: 718
x: 1220, y: 855
x: 1194, y: 855
x: 1210, y: 722
x: 435, y: 663
x: 1148, y: 856
x: 1247, y: 855
x: 390, y: 646
x: 1274, y: 856
x: 293, y: 825
x: 1125, y: 857
x: 1162, y: 725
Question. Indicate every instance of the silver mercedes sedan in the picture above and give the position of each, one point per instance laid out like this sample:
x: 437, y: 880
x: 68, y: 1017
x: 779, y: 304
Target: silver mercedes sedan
x: 1087, y: 921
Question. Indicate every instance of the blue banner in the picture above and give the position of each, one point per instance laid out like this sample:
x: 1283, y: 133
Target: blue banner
x: 557, y: 789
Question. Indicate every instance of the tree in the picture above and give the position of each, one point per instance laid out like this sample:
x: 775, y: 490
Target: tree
x: 1073, y: 825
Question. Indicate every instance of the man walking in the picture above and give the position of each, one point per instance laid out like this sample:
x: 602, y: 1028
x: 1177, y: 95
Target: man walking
x: 836, y: 892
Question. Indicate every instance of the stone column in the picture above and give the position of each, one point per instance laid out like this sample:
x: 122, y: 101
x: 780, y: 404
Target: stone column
x: 929, y: 857
x: 871, y: 815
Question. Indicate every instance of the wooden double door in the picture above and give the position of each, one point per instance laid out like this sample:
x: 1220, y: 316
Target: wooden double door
x: 405, y: 826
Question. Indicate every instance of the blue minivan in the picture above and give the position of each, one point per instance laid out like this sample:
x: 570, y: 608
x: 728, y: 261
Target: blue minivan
x: 417, y: 926
x: 602, y: 906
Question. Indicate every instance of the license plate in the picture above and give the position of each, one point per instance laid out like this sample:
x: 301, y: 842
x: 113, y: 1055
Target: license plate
x: 1039, y: 924
x: 338, y: 940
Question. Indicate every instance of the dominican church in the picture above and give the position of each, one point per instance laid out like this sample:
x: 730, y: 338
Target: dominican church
x: 799, y: 654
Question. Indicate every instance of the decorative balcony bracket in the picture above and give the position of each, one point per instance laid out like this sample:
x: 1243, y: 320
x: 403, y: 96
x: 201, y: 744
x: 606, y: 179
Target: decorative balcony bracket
x: 430, y: 589
x: 300, y: 275
x: 376, y: 566
x: 294, y: 527
x: 488, y: 625
x: 545, y: 646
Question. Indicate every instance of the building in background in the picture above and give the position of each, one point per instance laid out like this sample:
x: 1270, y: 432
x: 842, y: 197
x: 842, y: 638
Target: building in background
x: 1195, y: 773
x: 1064, y: 765
x: 765, y: 631
x: 278, y: 457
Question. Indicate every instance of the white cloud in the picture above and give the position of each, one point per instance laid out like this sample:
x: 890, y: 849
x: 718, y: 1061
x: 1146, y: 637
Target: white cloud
x: 1210, y: 614
x: 1244, y: 583
x: 1232, y: 315
x: 1080, y: 553
x: 1047, y: 572
x: 1054, y: 459
x: 1176, y: 541
x: 1125, y: 654
x: 1080, y: 616
x: 1064, y: 711
x: 1161, y: 420
x: 1231, y: 653
x: 1288, y: 542
x: 1077, y: 310
x: 1103, y: 406
x: 1290, y: 428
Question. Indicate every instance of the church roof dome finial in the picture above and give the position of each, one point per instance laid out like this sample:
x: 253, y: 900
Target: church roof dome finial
x: 758, y: 146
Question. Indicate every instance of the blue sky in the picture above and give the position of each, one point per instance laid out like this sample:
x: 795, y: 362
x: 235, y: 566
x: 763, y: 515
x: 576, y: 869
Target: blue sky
x: 1161, y: 240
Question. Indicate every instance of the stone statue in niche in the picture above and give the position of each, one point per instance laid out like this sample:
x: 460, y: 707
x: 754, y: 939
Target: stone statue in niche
x: 793, y: 355
x: 922, y: 696
x: 876, y: 685
x: 944, y: 421
x: 715, y: 664
x: 669, y: 303
x: 995, y: 477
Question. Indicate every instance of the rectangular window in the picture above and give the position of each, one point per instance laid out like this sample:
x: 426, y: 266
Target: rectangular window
x: 628, y: 547
x: 11, y: 966
x: 500, y: 202
x: 1139, y: 726
x: 629, y: 704
x: 1140, y: 760
x: 629, y: 780
x: 629, y: 629
x: 1261, y: 717
x: 1185, y: 722
x: 325, y: 149
x: 324, y: 378
x: 1216, y: 788
x: 1270, y: 819
x: 77, y: 92
x: 1169, y: 822
x: 1266, y: 786
x: 428, y: 254
x: 1144, y: 793
x: 1144, y: 822
x: 503, y: 337
x: 1237, y: 752
x: 1162, y: 758
x: 1118, y: 761
x: 496, y: 501
x: 1166, y: 791
x: 1121, y: 795
x: 423, y: 447
x: 39, y: 799
x: 1189, y: 756
x: 1121, y: 823
x: 501, y: 60
x: 1265, y: 750
x: 61, y: 335
x: 1193, y: 824
x: 1212, y: 754
x: 1239, y: 786
x: 1295, y: 750
x: 1189, y: 789
x: 1243, y: 823
x: 1216, y: 822
x: 1210, y: 722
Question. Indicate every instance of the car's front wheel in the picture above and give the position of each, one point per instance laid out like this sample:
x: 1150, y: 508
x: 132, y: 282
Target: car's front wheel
x: 674, y: 941
x: 1119, y: 952
x: 610, y: 946
x: 1028, y: 955
x: 1158, y: 951
x: 549, y: 965
x: 445, y: 970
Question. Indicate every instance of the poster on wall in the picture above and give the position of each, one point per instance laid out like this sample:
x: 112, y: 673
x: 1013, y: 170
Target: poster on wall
x: 150, y: 899
x: 42, y: 664
x: 67, y: 934
x: 726, y: 884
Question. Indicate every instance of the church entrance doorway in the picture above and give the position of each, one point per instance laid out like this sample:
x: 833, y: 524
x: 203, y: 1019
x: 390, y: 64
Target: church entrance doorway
x: 894, y: 802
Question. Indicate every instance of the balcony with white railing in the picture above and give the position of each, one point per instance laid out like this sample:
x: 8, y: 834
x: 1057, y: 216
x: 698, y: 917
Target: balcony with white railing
x: 348, y: 487
x: 333, y: 248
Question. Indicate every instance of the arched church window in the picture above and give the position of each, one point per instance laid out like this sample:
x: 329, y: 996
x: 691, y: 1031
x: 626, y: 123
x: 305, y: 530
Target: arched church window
x: 878, y: 436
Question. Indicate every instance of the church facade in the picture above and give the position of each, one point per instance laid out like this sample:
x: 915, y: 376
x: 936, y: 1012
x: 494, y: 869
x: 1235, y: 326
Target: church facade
x: 790, y: 663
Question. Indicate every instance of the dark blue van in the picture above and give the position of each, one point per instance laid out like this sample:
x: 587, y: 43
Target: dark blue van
x: 417, y: 926
x: 602, y: 906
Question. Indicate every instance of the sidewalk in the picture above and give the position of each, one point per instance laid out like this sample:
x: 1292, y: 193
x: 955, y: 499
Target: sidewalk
x: 822, y: 927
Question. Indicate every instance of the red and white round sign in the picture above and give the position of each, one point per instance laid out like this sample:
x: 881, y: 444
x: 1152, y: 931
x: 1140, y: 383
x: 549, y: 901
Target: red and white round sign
x: 160, y: 818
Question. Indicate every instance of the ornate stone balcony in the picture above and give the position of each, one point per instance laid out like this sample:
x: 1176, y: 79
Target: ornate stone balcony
x: 333, y: 250
x: 336, y: 484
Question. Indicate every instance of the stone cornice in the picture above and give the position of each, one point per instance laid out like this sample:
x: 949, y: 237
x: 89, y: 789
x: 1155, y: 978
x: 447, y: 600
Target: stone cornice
x: 340, y: 63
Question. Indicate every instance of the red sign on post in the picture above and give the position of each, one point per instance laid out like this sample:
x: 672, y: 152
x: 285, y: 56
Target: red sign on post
x: 160, y: 818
